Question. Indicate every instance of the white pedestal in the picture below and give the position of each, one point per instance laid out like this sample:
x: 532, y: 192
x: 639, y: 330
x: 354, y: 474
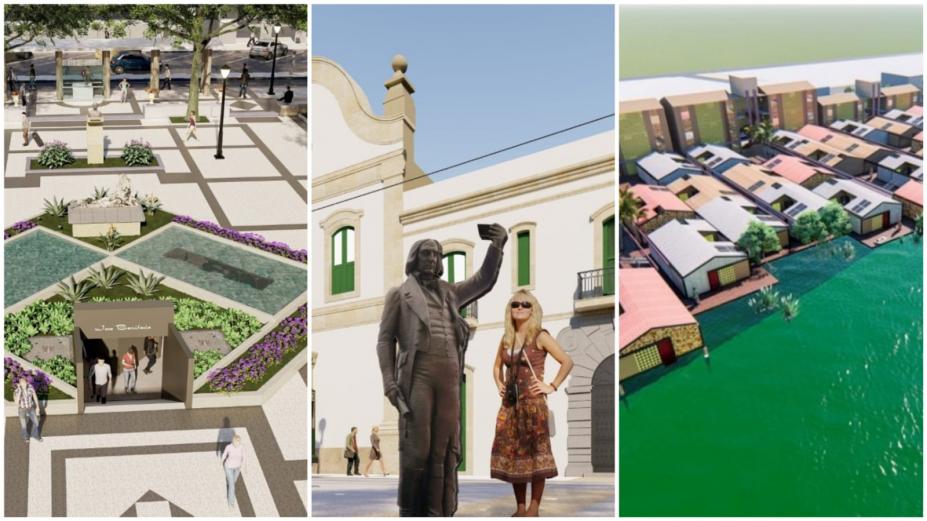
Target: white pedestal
x: 95, y: 141
x: 82, y: 91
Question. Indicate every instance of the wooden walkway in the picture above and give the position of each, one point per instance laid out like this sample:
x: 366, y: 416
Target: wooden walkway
x: 759, y: 280
x: 881, y: 237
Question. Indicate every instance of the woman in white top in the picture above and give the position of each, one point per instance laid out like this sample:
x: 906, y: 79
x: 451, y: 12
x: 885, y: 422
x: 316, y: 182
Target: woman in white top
x: 232, y: 459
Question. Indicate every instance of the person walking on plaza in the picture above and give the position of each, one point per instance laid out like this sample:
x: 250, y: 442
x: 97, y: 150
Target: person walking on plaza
x: 350, y: 452
x: 233, y: 457
x: 27, y: 124
x: 10, y: 80
x: 243, y: 81
x: 375, y: 454
x: 167, y: 77
x: 191, y: 127
x: 124, y: 90
x: 129, y: 369
x: 102, y: 375
x: 287, y: 96
x: 251, y: 40
x: 32, y: 76
x: 151, y: 351
x: 521, y: 451
x: 28, y: 402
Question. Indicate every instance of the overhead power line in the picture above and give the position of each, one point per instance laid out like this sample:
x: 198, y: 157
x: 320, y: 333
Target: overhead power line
x: 468, y: 161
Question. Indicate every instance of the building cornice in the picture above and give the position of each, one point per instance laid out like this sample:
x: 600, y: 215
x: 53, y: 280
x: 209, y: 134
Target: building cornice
x: 358, y: 175
x: 511, y: 189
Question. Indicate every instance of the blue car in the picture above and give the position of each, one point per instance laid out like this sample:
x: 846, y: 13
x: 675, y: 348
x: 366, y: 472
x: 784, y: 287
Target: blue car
x: 130, y: 62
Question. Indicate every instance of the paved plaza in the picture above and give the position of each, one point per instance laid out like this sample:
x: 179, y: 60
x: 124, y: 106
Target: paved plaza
x: 260, y: 186
x: 162, y: 463
x: 341, y: 496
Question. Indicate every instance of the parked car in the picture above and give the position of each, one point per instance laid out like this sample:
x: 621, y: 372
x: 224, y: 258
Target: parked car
x: 130, y: 62
x: 261, y: 49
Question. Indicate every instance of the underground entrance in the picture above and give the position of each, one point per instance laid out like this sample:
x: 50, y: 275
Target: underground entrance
x: 108, y: 330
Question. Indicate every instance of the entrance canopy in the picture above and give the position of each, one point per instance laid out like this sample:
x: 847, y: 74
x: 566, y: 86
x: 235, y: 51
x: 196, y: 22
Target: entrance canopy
x: 123, y: 319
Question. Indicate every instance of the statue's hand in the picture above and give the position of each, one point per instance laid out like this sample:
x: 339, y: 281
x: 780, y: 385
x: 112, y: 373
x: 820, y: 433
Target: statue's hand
x: 498, y: 235
x: 396, y: 398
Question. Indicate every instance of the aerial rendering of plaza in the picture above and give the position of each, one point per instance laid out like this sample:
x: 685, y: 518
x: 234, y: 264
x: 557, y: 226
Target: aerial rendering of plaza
x: 155, y: 190
x: 771, y: 280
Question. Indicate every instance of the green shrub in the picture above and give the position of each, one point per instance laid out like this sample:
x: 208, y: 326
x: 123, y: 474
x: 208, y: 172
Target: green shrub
x: 60, y: 366
x: 37, y: 319
x: 111, y: 239
x: 56, y: 207
x: 106, y: 277
x: 204, y: 360
x: 55, y: 154
x: 137, y: 153
x: 236, y: 326
x: 74, y: 291
x: 146, y: 285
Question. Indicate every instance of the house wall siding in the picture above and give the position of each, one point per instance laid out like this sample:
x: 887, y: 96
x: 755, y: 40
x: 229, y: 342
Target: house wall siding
x: 685, y: 338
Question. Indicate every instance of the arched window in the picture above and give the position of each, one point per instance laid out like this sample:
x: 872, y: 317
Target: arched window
x: 455, y: 266
x: 343, y: 260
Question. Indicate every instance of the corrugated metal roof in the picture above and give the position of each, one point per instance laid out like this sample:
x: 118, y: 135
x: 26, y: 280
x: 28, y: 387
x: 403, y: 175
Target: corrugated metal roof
x: 684, y: 247
x: 790, y: 86
x: 648, y: 303
x: 638, y: 105
x: 837, y: 99
x: 899, y: 89
x: 698, y: 98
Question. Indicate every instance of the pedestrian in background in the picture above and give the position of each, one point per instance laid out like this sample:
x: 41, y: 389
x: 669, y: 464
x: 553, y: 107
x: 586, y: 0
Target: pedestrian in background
x: 191, y: 127
x: 124, y: 89
x: 102, y: 375
x: 243, y: 82
x: 233, y: 457
x: 167, y: 77
x: 10, y: 80
x: 28, y: 403
x: 27, y: 124
x: 375, y: 454
x: 31, y: 76
x: 287, y: 96
x: 350, y: 452
x: 151, y: 351
x: 129, y: 369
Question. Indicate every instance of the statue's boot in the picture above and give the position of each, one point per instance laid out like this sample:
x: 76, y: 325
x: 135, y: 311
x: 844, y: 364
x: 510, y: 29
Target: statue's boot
x: 436, y: 491
x: 411, y: 493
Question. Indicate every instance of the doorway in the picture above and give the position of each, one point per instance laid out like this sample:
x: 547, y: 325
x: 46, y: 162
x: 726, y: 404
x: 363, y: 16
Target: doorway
x: 603, y: 416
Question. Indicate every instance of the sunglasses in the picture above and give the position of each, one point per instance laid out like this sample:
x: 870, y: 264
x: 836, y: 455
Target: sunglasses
x: 516, y: 305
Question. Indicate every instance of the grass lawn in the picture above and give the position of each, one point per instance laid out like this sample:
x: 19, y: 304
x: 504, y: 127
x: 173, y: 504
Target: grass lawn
x: 122, y: 291
x: 254, y: 386
x: 53, y: 393
x: 81, y: 162
x: 673, y: 39
x: 183, y: 119
x: 60, y: 224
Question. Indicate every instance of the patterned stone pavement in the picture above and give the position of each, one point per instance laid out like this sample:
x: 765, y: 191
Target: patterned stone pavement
x: 341, y: 496
x: 162, y: 463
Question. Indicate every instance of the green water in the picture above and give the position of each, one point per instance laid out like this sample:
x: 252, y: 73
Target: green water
x: 283, y: 282
x: 38, y: 260
x: 817, y: 416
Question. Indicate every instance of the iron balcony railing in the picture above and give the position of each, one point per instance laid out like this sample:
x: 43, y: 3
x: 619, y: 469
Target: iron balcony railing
x: 595, y: 283
x: 471, y: 310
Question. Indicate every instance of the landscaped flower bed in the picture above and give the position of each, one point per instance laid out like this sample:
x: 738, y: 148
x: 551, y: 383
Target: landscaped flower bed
x: 137, y: 153
x: 250, y: 239
x: 204, y: 360
x: 37, y: 379
x: 262, y: 360
x: 18, y: 228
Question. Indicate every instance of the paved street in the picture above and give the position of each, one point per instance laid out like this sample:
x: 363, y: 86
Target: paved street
x: 162, y: 463
x: 341, y: 496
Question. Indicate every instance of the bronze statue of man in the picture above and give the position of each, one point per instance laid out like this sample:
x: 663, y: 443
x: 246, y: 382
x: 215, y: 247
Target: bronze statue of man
x: 422, y: 378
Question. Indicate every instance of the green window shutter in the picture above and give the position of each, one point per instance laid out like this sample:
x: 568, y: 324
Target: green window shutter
x: 524, y: 258
x: 342, y: 268
x: 608, y: 256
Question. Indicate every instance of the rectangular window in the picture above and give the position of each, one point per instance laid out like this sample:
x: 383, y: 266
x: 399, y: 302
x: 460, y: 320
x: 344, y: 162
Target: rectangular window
x: 342, y: 261
x: 524, y: 258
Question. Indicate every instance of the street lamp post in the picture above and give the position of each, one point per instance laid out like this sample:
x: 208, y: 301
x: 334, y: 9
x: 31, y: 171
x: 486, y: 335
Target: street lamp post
x: 273, y: 66
x: 225, y: 75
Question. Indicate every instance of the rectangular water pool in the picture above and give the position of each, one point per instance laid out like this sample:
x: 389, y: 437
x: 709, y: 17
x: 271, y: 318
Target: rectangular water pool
x: 34, y: 262
x: 232, y: 271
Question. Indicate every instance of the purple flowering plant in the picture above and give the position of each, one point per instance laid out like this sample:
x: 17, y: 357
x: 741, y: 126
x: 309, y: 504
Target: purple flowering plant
x: 18, y: 228
x: 251, y: 239
x: 288, y: 336
x: 13, y: 371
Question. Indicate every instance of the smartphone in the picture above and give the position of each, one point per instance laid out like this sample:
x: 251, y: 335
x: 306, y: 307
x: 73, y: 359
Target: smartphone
x: 484, y: 230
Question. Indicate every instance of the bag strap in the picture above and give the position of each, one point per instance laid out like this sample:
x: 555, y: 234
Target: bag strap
x: 531, y: 366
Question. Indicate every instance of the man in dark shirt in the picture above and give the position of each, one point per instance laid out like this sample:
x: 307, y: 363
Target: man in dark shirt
x: 287, y: 96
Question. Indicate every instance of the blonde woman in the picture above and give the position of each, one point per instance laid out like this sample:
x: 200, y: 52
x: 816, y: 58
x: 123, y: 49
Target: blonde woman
x: 521, y: 452
x: 233, y: 457
x: 375, y: 454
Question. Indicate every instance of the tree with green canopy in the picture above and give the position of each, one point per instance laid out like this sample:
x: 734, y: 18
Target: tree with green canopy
x: 42, y: 24
x: 630, y: 208
x: 198, y: 24
x: 835, y: 219
x: 761, y: 133
x: 809, y: 228
x: 758, y: 239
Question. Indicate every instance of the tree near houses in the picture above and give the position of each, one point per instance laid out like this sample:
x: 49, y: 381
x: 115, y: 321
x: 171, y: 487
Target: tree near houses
x: 630, y: 208
x: 761, y: 133
x: 835, y: 219
x: 758, y: 239
x: 199, y: 24
x: 809, y: 228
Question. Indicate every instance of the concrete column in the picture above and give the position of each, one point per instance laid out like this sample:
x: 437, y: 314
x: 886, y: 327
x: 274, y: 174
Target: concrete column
x: 106, y: 73
x: 154, y: 79
x: 59, y: 75
x: 207, y: 71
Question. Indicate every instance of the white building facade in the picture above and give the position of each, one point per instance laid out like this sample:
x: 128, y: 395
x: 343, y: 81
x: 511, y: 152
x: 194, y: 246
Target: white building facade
x: 558, y: 205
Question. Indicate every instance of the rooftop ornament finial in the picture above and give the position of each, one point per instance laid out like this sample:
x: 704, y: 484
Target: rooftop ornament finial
x: 400, y: 63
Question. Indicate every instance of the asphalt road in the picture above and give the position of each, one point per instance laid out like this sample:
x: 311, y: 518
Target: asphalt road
x: 294, y: 62
x: 360, y: 497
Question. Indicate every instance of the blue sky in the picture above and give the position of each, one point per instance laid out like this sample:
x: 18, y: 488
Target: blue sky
x: 485, y: 76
